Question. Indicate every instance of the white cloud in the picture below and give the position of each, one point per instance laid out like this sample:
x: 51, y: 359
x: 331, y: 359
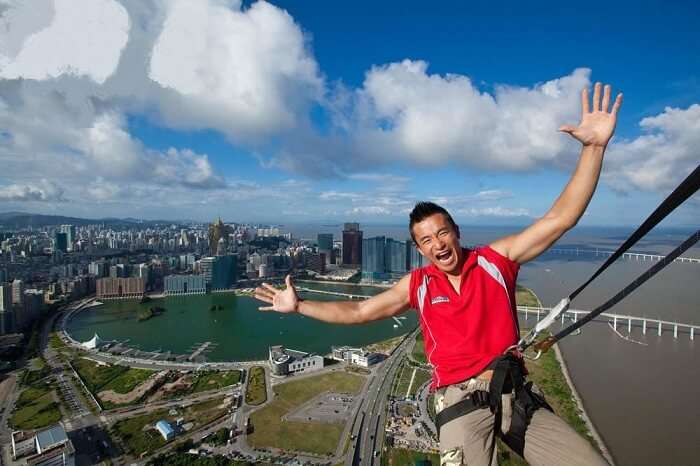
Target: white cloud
x: 494, y: 212
x: 43, y: 191
x: 84, y: 37
x: 660, y: 159
x: 244, y: 72
x: 369, y: 210
x: 403, y: 112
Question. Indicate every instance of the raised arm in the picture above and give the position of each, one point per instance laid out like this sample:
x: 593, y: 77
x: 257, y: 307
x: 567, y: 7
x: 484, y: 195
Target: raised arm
x: 594, y: 132
x: 386, y: 304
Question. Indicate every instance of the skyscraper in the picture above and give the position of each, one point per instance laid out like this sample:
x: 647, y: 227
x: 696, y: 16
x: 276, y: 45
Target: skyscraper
x: 395, y: 256
x: 60, y: 241
x: 17, y: 292
x: 6, y: 313
x: 69, y: 230
x: 220, y: 272
x: 415, y: 259
x: 373, y: 260
x: 352, y: 245
x: 325, y: 246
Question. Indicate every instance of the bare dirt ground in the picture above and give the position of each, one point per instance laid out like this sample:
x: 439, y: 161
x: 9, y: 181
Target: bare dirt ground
x: 135, y: 394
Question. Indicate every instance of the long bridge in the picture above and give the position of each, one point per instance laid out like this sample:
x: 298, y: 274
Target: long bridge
x: 628, y: 255
x: 573, y: 315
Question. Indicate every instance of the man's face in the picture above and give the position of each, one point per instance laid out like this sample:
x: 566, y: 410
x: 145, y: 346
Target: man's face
x: 438, y: 241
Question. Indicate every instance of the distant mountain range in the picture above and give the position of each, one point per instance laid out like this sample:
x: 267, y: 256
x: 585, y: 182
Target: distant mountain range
x: 19, y: 220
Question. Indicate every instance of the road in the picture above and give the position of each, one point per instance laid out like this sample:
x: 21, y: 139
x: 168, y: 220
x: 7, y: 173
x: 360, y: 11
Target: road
x: 368, y: 431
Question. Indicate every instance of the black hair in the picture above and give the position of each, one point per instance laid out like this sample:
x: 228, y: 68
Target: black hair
x: 423, y: 210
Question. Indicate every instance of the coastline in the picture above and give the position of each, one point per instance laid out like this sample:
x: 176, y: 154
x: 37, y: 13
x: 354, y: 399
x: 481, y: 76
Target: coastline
x: 577, y: 398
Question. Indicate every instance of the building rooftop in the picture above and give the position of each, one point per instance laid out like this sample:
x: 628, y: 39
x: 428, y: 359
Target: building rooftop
x: 51, y: 437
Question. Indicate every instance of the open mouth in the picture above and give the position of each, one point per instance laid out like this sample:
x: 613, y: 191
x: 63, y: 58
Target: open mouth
x: 444, y: 257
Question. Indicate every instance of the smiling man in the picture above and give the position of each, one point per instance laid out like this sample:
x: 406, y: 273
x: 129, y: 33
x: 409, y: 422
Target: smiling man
x: 465, y: 300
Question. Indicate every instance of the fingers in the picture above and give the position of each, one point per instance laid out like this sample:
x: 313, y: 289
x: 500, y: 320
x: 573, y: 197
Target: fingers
x: 584, y: 101
x: 288, y: 281
x: 616, y: 105
x: 264, y: 297
x: 606, y: 98
x: 567, y: 129
x: 596, y: 97
x: 271, y: 288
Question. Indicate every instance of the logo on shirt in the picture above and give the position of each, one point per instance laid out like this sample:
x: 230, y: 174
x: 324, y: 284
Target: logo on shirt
x: 440, y: 299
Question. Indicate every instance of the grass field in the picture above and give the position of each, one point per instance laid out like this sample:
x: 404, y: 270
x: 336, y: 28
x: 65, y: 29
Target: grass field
x: 403, y: 457
x: 269, y: 430
x: 214, y: 380
x: 256, y: 392
x: 525, y: 297
x: 421, y: 377
x: 139, y: 435
x: 98, y: 377
x: 418, y: 353
x: 35, y: 409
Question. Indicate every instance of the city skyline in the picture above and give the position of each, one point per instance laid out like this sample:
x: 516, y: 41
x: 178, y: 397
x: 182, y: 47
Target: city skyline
x: 323, y: 121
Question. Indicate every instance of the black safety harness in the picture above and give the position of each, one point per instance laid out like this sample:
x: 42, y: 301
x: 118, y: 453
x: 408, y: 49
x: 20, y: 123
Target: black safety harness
x: 508, y: 377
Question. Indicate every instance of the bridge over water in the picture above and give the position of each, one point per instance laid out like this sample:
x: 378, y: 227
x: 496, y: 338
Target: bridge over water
x: 572, y: 315
x: 628, y: 255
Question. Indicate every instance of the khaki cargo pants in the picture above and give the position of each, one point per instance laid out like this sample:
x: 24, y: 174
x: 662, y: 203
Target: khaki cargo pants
x: 548, y: 439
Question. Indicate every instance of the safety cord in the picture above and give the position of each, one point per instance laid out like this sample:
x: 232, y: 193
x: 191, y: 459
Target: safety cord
x: 545, y: 344
x: 687, y: 188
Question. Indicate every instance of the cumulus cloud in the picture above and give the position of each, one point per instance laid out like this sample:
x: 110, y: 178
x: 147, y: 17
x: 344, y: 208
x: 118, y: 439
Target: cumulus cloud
x: 403, y: 112
x: 659, y: 159
x: 44, y: 191
x: 241, y: 71
x: 83, y: 37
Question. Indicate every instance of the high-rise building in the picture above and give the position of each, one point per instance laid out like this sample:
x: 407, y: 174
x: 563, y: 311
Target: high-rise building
x: 325, y: 246
x: 132, y: 287
x: 352, y: 245
x: 97, y: 268
x: 218, y: 231
x: 31, y: 308
x: 373, y: 258
x: 220, y: 272
x: 60, y: 241
x: 17, y: 292
x: 69, y: 230
x: 316, y: 262
x: 415, y: 258
x: 143, y: 271
x: 184, y: 284
x: 395, y: 256
x: 7, y: 316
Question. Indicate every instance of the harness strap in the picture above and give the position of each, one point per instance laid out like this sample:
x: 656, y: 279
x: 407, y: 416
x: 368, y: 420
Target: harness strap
x: 508, y: 375
x: 476, y: 400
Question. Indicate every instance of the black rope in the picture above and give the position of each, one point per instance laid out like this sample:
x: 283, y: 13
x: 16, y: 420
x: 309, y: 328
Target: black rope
x: 686, y: 189
x: 692, y: 239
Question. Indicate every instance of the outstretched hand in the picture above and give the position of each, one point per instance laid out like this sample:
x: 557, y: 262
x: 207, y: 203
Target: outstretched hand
x: 285, y: 300
x: 597, y: 126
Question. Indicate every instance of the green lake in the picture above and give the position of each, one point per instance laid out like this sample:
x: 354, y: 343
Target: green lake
x: 240, y: 331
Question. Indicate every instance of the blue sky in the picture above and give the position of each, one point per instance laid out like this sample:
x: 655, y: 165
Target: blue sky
x: 293, y: 112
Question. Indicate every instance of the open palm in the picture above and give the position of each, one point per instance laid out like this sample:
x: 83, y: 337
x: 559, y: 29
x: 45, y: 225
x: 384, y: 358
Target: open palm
x: 281, y: 300
x: 596, y: 126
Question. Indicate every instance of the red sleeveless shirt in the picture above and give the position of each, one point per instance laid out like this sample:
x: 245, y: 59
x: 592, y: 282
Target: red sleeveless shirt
x: 464, y: 332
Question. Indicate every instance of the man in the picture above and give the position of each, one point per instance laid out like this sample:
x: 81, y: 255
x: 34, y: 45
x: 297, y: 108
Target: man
x: 466, y: 304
